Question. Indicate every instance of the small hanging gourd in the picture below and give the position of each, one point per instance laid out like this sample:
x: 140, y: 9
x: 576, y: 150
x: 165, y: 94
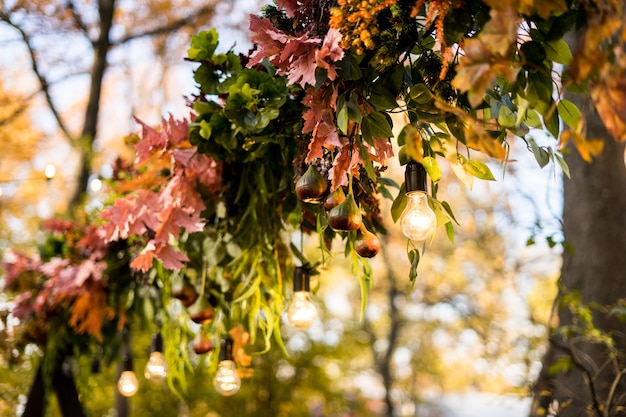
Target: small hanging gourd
x: 311, y: 187
x: 335, y: 198
x: 346, y: 216
x: 367, y: 243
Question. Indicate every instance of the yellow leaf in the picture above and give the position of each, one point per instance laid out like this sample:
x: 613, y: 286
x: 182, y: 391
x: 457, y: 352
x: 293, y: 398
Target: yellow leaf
x: 500, y: 33
x: 478, y: 70
x: 461, y: 174
x: 413, y: 143
x: 586, y: 148
x: 545, y: 8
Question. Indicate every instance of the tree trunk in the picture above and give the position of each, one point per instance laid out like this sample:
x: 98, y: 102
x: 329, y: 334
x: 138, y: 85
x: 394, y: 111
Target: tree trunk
x: 594, y: 223
x: 65, y: 390
x: 101, y: 47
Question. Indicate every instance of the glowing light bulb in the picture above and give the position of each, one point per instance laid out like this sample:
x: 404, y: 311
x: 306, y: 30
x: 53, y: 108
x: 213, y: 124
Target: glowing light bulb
x: 50, y: 171
x: 156, y: 368
x: 301, y: 314
x: 418, y: 221
x: 95, y: 184
x: 128, y: 384
x: 227, y: 381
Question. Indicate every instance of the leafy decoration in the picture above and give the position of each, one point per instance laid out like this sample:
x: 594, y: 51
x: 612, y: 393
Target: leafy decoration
x: 209, y: 202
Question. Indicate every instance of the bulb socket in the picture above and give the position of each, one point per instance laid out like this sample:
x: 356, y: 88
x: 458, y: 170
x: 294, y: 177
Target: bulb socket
x: 301, y: 279
x: 226, y: 350
x: 415, y: 178
x: 157, y: 343
x: 128, y: 362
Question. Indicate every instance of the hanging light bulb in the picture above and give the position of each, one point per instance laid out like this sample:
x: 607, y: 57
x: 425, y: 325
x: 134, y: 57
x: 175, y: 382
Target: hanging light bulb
x: 418, y: 221
x: 156, y: 368
x: 301, y: 314
x: 128, y: 384
x: 50, y: 171
x: 227, y: 381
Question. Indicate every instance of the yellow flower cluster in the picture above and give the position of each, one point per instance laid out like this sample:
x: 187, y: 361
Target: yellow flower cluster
x: 356, y: 20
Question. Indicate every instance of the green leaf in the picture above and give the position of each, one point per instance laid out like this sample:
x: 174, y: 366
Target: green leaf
x: 552, y: 123
x: 450, y: 231
x: 421, y: 94
x: 205, y: 129
x: 533, y: 119
x: 403, y: 156
x: 342, y: 119
x: 570, y: 114
x: 388, y: 182
x: 383, y: 98
x: 558, y: 51
x: 506, y: 117
x: 479, y: 170
x: 414, y: 258
x: 541, y: 155
x: 203, y: 45
x: 562, y: 365
x: 399, y: 204
x: 432, y: 168
x: 349, y: 68
x: 532, y: 52
x: 449, y: 211
x: 562, y: 164
x: 366, y: 162
x: 375, y: 125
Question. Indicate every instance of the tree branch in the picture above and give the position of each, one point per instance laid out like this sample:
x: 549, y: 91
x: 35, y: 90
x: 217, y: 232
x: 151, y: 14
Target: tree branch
x: 173, y: 26
x: 80, y: 24
x: 16, y: 113
x: 40, y: 76
x: 586, y: 374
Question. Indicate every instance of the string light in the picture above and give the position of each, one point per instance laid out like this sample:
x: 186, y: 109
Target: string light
x: 156, y: 368
x: 301, y: 314
x: 418, y: 221
x: 50, y: 171
x: 128, y: 384
x: 227, y: 381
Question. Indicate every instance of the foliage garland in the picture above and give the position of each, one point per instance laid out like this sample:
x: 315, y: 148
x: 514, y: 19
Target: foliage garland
x: 205, y: 212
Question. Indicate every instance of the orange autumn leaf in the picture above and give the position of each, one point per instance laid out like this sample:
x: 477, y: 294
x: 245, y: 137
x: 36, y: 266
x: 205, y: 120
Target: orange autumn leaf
x: 609, y: 97
x: 89, y: 310
x: 241, y: 339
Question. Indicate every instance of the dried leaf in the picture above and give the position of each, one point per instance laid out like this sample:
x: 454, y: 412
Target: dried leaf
x: 609, y: 96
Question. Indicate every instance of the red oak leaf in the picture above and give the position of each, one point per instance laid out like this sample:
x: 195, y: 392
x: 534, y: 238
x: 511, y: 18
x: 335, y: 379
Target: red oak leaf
x: 177, y: 130
x: 290, y: 6
x: 331, y: 51
x: 324, y: 136
x: 382, y: 150
x: 172, y: 259
x: 23, y: 308
x: 120, y: 215
x: 267, y: 38
x: 54, y: 266
x: 300, y: 52
x: 17, y: 263
x: 143, y: 261
x: 94, y: 240
x: 58, y: 226
x: 343, y: 164
x: 151, y: 141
